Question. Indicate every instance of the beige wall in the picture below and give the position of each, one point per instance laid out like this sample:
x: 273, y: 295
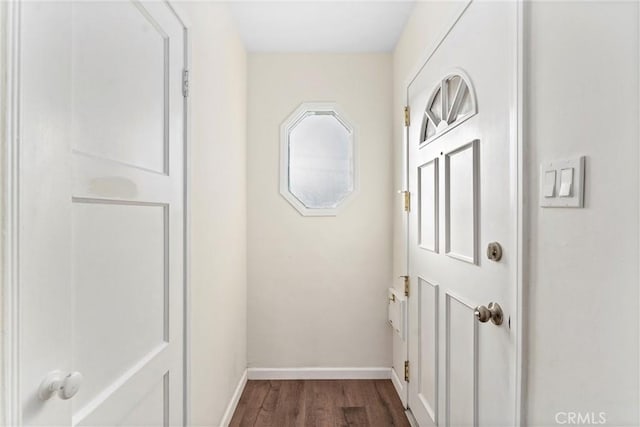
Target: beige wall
x: 317, y: 285
x: 218, y: 228
x: 581, y: 66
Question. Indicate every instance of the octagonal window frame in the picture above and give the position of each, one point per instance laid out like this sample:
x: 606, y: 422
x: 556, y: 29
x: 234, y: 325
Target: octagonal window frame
x: 305, y: 109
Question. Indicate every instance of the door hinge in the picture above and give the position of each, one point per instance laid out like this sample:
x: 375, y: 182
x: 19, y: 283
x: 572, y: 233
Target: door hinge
x: 407, y: 117
x: 406, y: 200
x: 406, y: 370
x: 185, y: 83
x: 406, y: 285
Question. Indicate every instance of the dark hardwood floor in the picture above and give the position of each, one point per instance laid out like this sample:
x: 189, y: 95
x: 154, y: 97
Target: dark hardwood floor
x: 319, y: 404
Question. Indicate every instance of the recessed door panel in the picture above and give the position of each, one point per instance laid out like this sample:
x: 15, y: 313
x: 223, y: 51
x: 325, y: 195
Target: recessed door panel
x: 120, y: 283
x: 152, y: 410
x: 461, y: 188
x: 120, y: 67
x: 461, y: 354
x: 428, y: 368
x: 428, y: 205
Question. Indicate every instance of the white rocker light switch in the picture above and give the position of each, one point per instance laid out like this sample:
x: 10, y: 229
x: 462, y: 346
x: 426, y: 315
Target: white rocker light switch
x: 566, y: 182
x: 550, y: 183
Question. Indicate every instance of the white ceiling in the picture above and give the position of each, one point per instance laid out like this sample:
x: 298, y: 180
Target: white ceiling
x: 321, y: 26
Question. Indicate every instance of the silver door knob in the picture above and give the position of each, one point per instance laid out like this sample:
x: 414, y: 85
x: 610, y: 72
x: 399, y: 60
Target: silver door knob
x: 493, y: 312
x: 57, y: 382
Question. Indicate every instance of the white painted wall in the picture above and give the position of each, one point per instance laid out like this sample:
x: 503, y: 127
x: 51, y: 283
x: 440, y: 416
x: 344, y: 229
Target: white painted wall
x: 317, y: 285
x: 218, y: 228
x: 581, y: 67
x: 3, y: 129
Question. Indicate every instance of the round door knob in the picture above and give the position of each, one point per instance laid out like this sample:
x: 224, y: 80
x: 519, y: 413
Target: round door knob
x: 493, y: 312
x: 57, y: 382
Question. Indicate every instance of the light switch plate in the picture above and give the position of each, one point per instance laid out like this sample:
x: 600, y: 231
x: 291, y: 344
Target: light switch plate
x: 569, y: 178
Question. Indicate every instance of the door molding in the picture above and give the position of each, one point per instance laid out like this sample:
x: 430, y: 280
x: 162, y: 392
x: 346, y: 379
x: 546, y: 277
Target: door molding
x: 186, y: 321
x: 517, y: 139
x: 10, y: 71
x: 522, y: 217
x: 9, y: 154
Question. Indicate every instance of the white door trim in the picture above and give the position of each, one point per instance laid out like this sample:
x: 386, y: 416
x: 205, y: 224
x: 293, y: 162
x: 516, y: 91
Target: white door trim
x: 9, y: 286
x: 517, y: 111
x: 10, y: 72
x: 521, y: 355
x: 186, y: 393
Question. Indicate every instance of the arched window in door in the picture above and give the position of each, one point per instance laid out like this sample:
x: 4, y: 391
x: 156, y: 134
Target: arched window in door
x: 452, y: 102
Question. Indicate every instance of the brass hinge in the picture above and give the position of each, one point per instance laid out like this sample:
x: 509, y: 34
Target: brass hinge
x: 406, y: 285
x: 406, y: 199
x: 406, y: 370
x: 407, y: 116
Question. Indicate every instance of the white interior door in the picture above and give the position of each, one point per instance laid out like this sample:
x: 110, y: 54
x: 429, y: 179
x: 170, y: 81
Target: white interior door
x: 102, y: 212
x: 463, y: 180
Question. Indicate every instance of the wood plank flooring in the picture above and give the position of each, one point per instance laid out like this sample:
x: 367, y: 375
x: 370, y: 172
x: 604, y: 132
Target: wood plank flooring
x: 326, y: 403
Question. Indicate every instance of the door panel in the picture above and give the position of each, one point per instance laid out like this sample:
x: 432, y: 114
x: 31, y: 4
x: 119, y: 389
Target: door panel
x: 121, y: 83
x: 461, y: 202
x: 428, y: 188
x: 429, y: 344
x: 116, y: 156
x: 119, y: 267
x: 462, y: 170
x: 129, y: 393
x: 150, y: 412
x: 461, y: 363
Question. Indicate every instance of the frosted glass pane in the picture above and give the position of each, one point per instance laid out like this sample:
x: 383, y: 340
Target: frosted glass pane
x: 320, y: 161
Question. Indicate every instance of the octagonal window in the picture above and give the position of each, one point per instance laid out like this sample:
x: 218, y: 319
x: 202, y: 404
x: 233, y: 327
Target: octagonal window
x: 318, y: 164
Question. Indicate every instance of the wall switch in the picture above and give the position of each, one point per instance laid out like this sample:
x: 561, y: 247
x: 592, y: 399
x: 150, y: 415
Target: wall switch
x: 565, y: 176
x: 549, y: 183
x: 566, y: 182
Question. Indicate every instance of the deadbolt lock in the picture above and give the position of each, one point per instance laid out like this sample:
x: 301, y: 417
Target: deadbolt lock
x: 494, y: 251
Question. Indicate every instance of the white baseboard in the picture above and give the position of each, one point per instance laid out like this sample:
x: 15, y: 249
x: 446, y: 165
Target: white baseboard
x: 233, y: 403
x: 319, y: 373
x: 400, y: 386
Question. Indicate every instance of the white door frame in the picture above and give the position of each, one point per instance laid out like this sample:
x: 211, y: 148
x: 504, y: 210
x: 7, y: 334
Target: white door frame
x: 517, y: 138
x: 10, y: 411
x: 10, y: 107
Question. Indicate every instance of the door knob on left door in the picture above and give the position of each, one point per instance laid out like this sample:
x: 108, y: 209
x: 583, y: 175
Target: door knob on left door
x: 66, y: 386
x: 493, y: 313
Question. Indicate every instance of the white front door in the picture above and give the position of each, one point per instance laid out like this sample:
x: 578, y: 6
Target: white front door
x: 462, y: 149
x: 101, y: 211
